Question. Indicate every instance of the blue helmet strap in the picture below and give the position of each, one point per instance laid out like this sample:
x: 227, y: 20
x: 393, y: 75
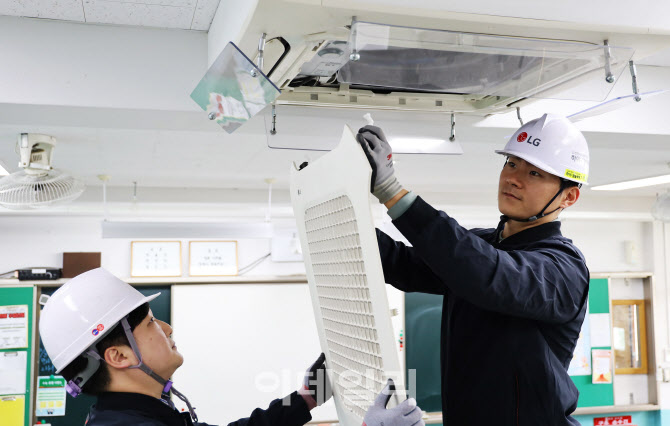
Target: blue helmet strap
x: 167, y: 384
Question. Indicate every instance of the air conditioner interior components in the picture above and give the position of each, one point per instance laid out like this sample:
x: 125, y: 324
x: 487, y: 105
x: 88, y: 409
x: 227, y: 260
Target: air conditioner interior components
x: 440, y: 61
x: 406, y: 68
x: 38, y: 185
x: 331, y: 202
x: 428, y: 138
x: 234, y: 89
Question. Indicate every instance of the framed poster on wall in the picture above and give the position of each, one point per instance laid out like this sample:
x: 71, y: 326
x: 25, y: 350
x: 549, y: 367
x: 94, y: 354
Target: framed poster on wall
x: 155, y: 259
x: 212, y: 258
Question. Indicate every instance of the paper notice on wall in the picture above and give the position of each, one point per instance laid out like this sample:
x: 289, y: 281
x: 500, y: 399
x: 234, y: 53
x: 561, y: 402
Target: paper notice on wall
x: 581, y: 357
x: 13, y: 372
x: 14, y: 327
x: 602, y: 365
x: 12, y: 410
x: 50, y: 396
x: 600, y: 330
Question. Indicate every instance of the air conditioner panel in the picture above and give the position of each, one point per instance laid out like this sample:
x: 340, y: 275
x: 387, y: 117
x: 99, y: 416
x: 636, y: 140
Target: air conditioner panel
x: 456, y: 62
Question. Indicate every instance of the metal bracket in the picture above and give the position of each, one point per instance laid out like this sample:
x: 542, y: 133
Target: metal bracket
x: 452, y: 134
x: 273, y: 130
x: 518, y: 115
x: 259, y: 60
x: 354, y: 55
x: 633, y: 75
x: 609, y: 77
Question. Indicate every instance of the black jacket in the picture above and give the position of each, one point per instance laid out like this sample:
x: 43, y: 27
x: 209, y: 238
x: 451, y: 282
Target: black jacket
x: 132, y: 409
x: 511, y: 316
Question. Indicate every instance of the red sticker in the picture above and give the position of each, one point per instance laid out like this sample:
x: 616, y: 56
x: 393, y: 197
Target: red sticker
x: 100, y: 327
x: 522, y: 137
x: 388, y: 157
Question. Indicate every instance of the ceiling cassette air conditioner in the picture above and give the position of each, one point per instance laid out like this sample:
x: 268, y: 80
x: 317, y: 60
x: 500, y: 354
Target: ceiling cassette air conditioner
x: 395, y: 67
x: 325, y: 54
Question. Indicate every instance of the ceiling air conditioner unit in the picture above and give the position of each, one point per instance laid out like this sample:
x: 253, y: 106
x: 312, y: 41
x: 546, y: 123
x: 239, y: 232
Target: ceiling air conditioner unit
x: 317, y: 55
x: 392, y: 67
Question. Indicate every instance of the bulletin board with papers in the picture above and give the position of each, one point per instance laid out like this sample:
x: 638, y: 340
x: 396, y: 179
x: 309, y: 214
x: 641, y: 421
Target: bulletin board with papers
x: 589, y: 367
x: 16, y: 334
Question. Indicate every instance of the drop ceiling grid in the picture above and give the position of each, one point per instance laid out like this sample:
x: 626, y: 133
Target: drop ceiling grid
x: 180, y: 14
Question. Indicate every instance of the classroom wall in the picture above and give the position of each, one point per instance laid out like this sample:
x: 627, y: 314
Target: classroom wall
x: 40, y: 240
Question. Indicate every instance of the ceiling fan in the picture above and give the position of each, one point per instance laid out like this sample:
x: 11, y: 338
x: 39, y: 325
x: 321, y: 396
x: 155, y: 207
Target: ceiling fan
x: 38, y: 184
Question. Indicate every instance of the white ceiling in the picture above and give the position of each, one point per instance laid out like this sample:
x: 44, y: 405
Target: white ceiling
x: 181, y: 14
x: 117, y: 100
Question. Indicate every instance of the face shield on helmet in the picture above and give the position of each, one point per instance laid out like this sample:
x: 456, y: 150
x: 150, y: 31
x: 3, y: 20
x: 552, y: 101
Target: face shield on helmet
x: 553, y: 144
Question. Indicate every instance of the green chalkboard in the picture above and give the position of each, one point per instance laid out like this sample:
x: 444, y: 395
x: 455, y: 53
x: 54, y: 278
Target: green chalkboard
x: 22, y: 296
x: 423, y: 315
x: 76, y: 409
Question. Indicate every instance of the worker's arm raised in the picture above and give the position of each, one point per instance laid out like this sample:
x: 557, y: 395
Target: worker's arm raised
x: 547, y: 282
x: 404, y: 270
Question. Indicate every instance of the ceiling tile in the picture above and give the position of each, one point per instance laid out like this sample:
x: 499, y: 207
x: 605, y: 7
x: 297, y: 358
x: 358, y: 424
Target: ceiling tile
x: 144, y: 15
x: 173, y: 3
x: 67, y: 10
x: 204, y: 13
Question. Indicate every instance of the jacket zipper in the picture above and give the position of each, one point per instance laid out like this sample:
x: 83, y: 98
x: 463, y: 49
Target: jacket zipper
x: 516, y: 377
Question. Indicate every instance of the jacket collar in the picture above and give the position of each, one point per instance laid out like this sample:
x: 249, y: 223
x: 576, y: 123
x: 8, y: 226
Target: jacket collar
x: 530, y: 235
x: 143, y: 404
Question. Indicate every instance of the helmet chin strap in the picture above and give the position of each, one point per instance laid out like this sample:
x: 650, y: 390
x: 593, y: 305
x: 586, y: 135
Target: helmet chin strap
x: 167, y: 384
x: 542, y: 213
x: 94, y: 360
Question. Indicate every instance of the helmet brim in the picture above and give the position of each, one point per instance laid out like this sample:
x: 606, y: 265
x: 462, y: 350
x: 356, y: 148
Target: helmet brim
x: 535, y: 162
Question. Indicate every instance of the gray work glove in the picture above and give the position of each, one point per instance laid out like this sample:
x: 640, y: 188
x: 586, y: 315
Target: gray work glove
x: 384, y: 185
x: 316, y: 388
x: 405, y: 414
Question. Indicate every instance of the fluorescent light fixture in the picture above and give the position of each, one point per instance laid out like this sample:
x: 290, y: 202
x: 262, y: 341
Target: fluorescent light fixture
x: 123, y: 229
x: 630, y: 184
x: 3, y: 171
x: 417, y: 145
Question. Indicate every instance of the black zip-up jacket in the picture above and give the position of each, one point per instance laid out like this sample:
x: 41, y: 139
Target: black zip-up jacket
x: 133, y: 409
x: 511, y: 316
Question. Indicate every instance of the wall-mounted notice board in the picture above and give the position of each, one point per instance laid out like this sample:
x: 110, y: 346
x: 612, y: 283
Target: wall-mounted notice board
x: 17, y: 306
x: 596, y: 330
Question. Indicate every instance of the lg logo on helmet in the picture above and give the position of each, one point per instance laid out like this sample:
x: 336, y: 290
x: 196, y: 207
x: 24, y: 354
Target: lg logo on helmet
x: 523, y: 136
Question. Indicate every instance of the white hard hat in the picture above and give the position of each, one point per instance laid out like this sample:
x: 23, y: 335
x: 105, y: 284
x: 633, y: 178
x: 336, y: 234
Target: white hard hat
x: 82, y: 311
x: 553, y: 144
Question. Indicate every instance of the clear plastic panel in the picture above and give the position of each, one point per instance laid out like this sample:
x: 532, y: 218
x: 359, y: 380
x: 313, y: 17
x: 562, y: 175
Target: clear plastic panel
x: 233, y: 90
x: 611, y: 105
x: 293, y: 134
x: 463, y: 63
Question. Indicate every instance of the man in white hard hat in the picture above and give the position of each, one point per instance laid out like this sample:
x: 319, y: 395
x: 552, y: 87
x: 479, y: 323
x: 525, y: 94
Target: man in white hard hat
x: 102, y: 337
x: 514, y: 296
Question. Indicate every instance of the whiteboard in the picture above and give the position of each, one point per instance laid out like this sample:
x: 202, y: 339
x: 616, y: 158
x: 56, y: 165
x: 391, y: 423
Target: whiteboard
x: 243, y: 345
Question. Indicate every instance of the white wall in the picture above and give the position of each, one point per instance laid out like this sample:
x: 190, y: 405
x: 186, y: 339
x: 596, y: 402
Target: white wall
x: 40, y: 241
